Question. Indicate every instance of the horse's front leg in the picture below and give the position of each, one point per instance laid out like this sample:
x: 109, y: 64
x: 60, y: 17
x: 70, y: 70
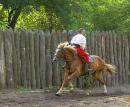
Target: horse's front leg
x: 65, y: 83
x: 75, y: 74
x: 71, y: 86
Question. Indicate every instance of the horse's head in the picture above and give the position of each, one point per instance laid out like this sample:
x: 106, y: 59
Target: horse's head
x: 60, y: 51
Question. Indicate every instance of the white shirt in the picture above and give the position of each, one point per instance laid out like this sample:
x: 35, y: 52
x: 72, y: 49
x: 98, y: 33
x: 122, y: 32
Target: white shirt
x: 80, y: 40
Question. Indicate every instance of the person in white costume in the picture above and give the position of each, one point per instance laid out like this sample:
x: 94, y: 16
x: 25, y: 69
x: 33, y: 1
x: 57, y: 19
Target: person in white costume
x: 79, y: 41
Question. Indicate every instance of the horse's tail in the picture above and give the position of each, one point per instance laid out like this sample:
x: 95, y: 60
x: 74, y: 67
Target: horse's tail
x: 110, y: 68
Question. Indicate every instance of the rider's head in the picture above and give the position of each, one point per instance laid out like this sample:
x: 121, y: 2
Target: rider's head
x: 82, y: 31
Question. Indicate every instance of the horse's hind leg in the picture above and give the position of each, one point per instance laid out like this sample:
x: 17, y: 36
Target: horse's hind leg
x: 104, y: 85
x: 102, y: 82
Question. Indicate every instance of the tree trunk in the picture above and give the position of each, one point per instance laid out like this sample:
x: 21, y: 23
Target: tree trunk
x: 13, y: 16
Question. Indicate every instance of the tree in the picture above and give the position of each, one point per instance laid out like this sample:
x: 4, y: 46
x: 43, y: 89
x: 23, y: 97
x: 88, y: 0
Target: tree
x: 60, y: 8
x: 39, y: 19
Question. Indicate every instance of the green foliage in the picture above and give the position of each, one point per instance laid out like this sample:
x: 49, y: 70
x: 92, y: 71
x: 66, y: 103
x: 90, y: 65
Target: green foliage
x: 23, y: 89
x: 54, y: 8
x: 103, y: 15
x: 87, y: 82
x: 52, y: 88
x: 3, y: 18
x: 39, y: 20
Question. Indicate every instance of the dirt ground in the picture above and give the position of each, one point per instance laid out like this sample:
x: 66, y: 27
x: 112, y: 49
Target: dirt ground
x: 76, y: 98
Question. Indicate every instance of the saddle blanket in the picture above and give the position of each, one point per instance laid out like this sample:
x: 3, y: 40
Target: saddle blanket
x: 91, y: 58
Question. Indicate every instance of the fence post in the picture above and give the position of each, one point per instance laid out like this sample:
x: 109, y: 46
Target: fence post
x: 17, y: 47
x: 36, y: 58
x: 55, y: 66
x: 14, y: 59
x: 126, y: 58
x: 111, y: 55
x: 23, y: 34
x: 27, y: 56
x: 119, y: 59
x: 2, y: 61
x: 48, y: 59
x: 115, y: 57
x: 32, y: 69
x: 42, y: 65
x: 8, y: 58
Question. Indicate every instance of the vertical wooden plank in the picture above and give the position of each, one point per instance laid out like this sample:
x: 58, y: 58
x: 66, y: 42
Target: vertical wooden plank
x: 122, y: 58
x: 2, y: 61
x: 23, y: 34
x: 129, y: 56
x: 115, y: 56
x: 126, y: 58
x: 71, y: 33
x: 55, y: 66
x: 63, y: 36
x: 8, y: 58
x: 17, y: 47
x: 92, y: 44
x: 32, y: 69
x: 99, y: 45
x: 119, y: 59
x: 103, y: 37
x: 27, y: 56
x: 14, y: 60
x: 36, y: 58
x: 111, y: 36
x: 48, y: 60
x: 42, y: 59
x: 96, y: 42
x: 103, y: 45
x: 88, y: 43
x: 107, y: 49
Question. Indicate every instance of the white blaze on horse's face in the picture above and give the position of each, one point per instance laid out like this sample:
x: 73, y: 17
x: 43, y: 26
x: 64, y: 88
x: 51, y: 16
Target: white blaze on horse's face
x: 55, y: 55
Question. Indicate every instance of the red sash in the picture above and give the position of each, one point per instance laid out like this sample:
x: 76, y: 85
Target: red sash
x: 82, y: 54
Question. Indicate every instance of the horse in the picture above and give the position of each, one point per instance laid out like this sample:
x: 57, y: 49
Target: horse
x: 75, y: 66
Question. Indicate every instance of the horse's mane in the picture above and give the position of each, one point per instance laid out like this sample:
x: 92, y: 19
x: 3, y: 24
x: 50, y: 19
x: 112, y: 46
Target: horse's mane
x: 67, y: 46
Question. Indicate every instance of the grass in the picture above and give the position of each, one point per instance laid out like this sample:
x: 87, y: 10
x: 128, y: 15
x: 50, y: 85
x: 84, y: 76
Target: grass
x: 52, y: 88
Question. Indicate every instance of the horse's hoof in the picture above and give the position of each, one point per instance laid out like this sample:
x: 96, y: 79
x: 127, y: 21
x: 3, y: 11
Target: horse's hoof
x: 87, y: 93
x: 58, y: 94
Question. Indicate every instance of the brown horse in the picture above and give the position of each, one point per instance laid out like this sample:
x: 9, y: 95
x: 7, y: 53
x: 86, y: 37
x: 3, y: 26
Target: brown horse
x: 75, y: 67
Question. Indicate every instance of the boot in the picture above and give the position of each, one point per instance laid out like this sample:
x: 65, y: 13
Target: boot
x: 88, y: 68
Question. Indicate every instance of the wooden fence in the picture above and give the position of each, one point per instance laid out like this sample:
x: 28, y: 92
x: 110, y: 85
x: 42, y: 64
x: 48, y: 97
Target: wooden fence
x: 26, y: 57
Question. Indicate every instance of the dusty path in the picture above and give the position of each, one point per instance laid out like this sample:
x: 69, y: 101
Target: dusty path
x: 12, y: 98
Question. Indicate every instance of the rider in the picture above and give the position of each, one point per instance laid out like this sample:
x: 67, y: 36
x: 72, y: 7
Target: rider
x: 79, y: 41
